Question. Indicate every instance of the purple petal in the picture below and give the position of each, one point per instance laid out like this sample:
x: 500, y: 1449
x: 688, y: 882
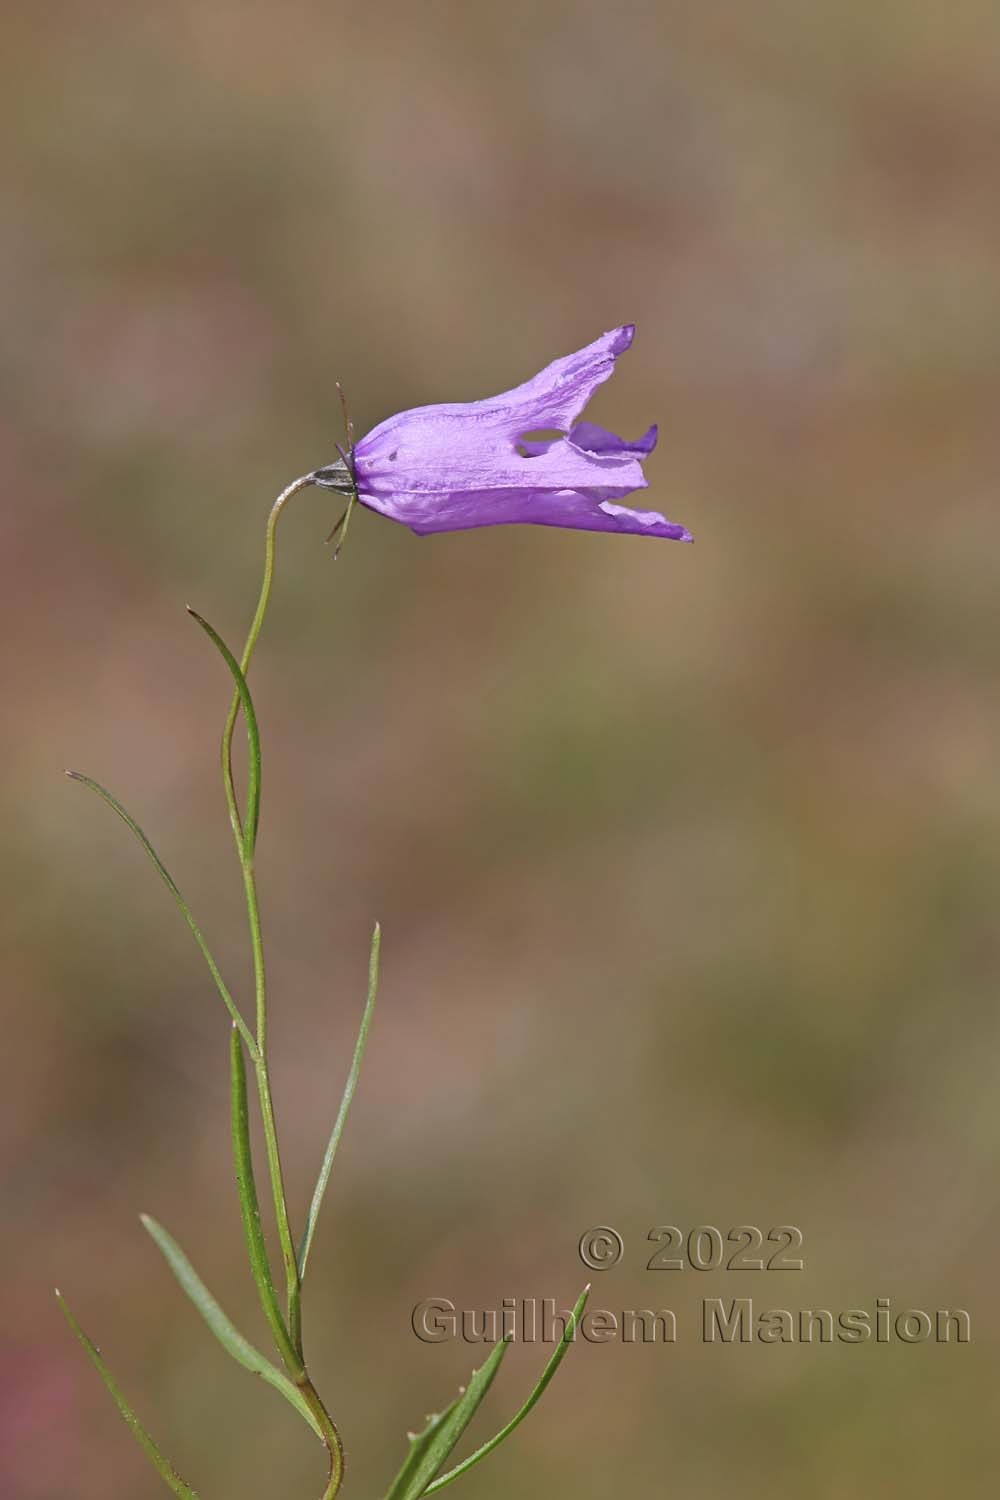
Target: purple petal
x: 432, y: 447
x: 590, y: 438
x: 532, y: 447
x: 573, y: 509
x: 641, y: 522
x: 453, y: 467
x: 594, y: 439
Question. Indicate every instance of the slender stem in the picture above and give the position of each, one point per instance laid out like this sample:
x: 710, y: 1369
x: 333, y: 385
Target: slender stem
x: 270, y: 542
x: 259, y: 1058
x: 292, y: 1280
x: 331, y: 1437
x: 292, y: 1358
x: 253, y: 911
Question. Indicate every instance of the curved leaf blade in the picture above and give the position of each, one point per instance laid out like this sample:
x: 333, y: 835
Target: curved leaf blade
x: 246, y: 1185
x: 536, y: 1395
x: 252, y: 819
x: 172, y: 887
x: 227, y: 1334
x: 443, y: 1434
x: 160, y: 1462
x: 419, y: 1443
x: 345, y: 1103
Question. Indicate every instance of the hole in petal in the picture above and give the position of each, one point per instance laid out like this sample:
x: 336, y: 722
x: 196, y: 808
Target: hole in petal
x: 531, y: 444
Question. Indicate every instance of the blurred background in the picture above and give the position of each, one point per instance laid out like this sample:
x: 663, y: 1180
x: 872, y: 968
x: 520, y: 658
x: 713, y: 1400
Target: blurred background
x: 687, y: 858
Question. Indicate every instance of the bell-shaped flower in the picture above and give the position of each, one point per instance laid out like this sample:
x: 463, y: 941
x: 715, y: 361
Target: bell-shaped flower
x: 485, y: 463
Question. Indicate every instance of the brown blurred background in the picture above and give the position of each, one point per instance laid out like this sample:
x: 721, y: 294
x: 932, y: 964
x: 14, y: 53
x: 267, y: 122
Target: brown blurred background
x: 688, y: 859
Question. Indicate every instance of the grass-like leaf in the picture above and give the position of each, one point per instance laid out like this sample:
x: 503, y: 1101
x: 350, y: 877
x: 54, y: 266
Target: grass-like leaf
x: 172, y: 887
x: 426, y: 1459
x: 345, y: 1103
x: 419, y: 1443
x: 228, y: 1336
x: 252, y: 818
x: 250, y: 1208
x: 163, y: 1466
x: 505, y: 1432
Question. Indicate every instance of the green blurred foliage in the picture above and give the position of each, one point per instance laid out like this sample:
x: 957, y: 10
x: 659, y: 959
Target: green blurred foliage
x: 687, y: 858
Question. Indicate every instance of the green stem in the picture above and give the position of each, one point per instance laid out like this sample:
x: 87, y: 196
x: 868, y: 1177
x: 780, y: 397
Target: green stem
x: 244, y: 848
x: 270, y: 544
x: 292, y: 1280
x: 260, y: 1267
x: 331, y: 1437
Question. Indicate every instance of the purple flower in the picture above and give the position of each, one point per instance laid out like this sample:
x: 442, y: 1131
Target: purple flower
x: 477, y: 463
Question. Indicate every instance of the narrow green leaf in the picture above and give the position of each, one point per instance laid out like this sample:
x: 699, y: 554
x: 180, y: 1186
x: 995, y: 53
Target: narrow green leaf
x: 419, y: 1443
x: 250, y: 1208
x: 171, y: 884
x: 253, y: 734
x: 418, y: 1471
x: 164, y: 1467
x: 505, y: 1432
x: 229, y: 1337
x: 345, y: 1103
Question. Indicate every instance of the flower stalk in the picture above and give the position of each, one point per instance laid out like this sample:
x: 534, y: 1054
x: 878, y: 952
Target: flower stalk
x: 440, y: 468
x: 287, y: 1331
